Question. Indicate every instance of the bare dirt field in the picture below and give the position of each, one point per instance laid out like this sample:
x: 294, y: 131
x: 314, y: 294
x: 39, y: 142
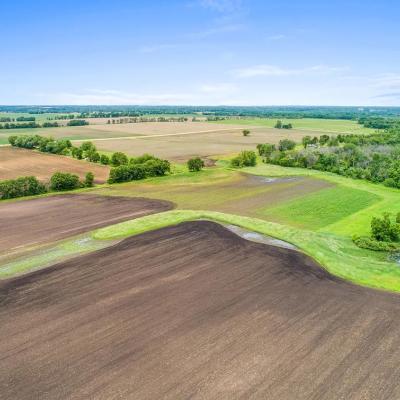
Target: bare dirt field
x: 194, y: 311
x: 15, y: 162
x: 30, y: 222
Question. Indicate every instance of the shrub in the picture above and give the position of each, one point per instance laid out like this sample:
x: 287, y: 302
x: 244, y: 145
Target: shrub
x: 156, y: 167
x: 286, y: 144
x: 104, y: 159
x: 118, y: 159
x: 64, y: 181
x: 135, y: 171
x: 88, y: 146
x: 77, y: 152
x: 266, y: 149
x: 24, y: 186
x: 142, y: 159
x: 89, y: 179
x: 365, y: 242
x: 245, y: 159
x: 93, y: 156
x: 119, y: 174
x: 77, y: 122
x: 246, y: 132
x: 195, y: 164
x: 384, y: 230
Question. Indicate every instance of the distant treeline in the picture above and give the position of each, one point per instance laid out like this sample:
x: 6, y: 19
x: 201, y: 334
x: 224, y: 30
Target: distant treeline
x: 379, y: 122
x: 282, y: 112
x: 33, y: 124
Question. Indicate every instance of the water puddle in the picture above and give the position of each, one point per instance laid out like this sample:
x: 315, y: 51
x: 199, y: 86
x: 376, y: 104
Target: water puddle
x: 395, y: 257
x: 271, y: 179
x: 259, y: 238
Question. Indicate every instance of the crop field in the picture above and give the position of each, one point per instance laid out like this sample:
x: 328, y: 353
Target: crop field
x: 179, y: 141
x: 36, y: 221
x: 180, y: 147
x: 201, y: 314
x: 220, y: 190
x: 334, y: 126
x: 16, y: 162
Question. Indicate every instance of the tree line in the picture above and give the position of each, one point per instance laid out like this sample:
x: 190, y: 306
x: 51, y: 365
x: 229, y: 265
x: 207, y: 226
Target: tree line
x: 374, y: 157
x: 31, y: 186
x: 47, y: 124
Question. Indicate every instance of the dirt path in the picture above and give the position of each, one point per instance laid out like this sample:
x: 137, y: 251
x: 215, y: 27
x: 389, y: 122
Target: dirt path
x: 29, y: 222
x: 162, y: 135
x: 194, y: 311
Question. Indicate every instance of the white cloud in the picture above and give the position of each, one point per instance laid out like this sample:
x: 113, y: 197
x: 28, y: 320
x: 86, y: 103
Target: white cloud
x: 388, y: 80
x: 276, y: 71
x: 115, y: 97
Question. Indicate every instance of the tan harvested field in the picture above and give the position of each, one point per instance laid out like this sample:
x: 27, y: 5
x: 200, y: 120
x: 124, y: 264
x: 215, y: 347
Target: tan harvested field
x: 180, y: 147
x: 123, y: 130
x: 194, y: 311
x: 177, y: 141
x: 36, y: 221
x: 15, y: 162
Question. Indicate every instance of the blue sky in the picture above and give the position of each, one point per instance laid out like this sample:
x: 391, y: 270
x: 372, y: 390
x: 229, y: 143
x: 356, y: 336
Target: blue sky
x: 200, y: 52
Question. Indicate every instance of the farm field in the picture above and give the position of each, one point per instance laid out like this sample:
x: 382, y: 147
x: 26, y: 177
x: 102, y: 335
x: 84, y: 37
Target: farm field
x: 16, y: 162
x: 104, y: 131
x: 219, y: 189
x: 376, y: 198
x: 213, y: 304
x: 179, y: 141
x: 181, y: 147
x: 35, y: 222
x: 334, y: 126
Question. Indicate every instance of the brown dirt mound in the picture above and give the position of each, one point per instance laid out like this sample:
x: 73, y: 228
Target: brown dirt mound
x: 31, y: 222
x: 193, y: 311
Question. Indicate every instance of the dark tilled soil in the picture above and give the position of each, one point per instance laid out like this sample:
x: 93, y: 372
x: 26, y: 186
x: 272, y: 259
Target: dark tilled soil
x: 194, y: 311
x: 31, y: 222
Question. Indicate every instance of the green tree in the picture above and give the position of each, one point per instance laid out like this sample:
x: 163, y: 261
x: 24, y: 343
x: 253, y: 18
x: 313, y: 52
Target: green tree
x: 384, y: 230
x: 89, y: 179
x: 306, y: 140
x: 195, y: 164
x: 246, y: 132
x: 104, y: 159
x: 64, y: 181
x: 118, y: 159
x: 286, y: 144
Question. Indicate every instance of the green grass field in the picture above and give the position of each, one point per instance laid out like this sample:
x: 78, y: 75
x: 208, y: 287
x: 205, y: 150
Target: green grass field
x: 325, y: 207
x: 308, y: 124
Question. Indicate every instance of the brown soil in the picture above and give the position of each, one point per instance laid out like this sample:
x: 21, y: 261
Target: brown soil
x: 194, y: 311
x: 16, y: 162
x: 30, y: 222
x: 181, y: 141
